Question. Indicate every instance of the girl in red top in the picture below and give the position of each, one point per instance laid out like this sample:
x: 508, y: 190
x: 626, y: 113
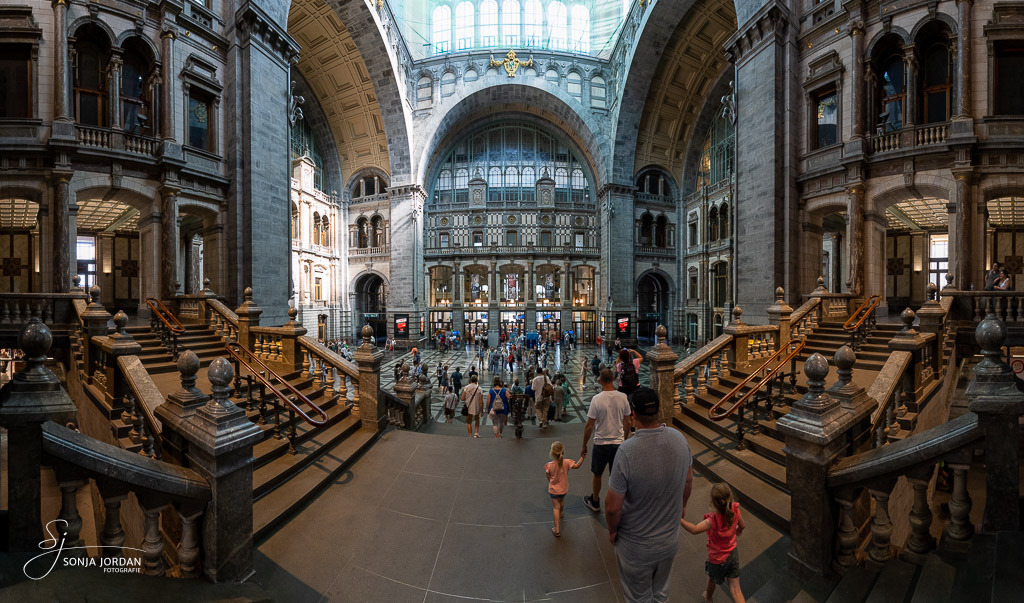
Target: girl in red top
x: 558, y: 482
x: 722, y: 526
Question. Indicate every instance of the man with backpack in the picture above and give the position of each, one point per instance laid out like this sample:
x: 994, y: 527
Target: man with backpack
x: 543, y: 392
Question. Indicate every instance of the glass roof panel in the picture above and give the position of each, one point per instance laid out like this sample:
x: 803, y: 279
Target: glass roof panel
x: 918, y: 214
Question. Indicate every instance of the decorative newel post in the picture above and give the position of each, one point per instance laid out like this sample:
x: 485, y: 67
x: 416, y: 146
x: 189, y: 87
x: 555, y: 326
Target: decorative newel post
x: 933, y: 320
x: 119, y: 343
x: 95, y: 320
x: 778, y: 314
x: 663, y: 365
x: 178, y: 407
x: 220, y: 440
x: 371, y: 405
x: 291, y: 349
x: 740, y: 351
x: 853, y: 399
x: 994, y: 397
x: 248, y: 316
x: 814, y: 430
x: 910, y: 340
x: 32, y: 397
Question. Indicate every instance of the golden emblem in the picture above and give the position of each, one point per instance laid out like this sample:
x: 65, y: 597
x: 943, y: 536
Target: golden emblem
x: 511, y: 63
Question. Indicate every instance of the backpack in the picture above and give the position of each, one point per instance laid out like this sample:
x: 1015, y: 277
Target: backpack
x: 497, y: 405
x: 548, y: 391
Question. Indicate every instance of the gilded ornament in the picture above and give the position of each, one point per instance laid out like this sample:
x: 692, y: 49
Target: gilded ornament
x: 511, y: 63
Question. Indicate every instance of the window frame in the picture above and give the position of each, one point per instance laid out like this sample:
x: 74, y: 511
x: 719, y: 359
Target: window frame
x: 23, y: 38
x: 815, y: 134
x: 194, y: 78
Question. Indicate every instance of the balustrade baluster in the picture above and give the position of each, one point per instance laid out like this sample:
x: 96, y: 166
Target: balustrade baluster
x: 977, y: 308
x: 153, y: 543
x: 688, y: 386
x: 701, y: 379
x: 741, y: 444
x: 306, y: 364
x: 921, y: 540
x: 959, y: 528
x: 258, y: 347
x: 277, y: 416
x: 263, y: 400
x: 69, y: 512
x: 248, y: 393
x: 880, y: 549
x: 188, y: 551
x: 112, y: 537
x: 848, y: 537
x: 6, y: 316
x: 342, y: 386
x: 724, y: 362
x: 715, y: 365
x: 893, y: 425
x: 133, y: 417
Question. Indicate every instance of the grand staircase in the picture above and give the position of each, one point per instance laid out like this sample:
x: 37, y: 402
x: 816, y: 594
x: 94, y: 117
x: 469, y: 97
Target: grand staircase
x: 201, y: 339
x: 872, y: 353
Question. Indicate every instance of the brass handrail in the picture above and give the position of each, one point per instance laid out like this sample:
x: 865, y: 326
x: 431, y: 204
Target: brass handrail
x: 867, y: 307
x: 165, y: 315
x: 236, y: 349
x: 791, y: 351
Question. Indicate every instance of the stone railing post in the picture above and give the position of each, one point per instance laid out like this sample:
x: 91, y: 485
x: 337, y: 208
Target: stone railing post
x: 994, y: 397
x: 919, y: 373
x: 94, y: 320
x: 853, y: 399
x: 119, y: 343
x: 178, y: 408
x: 32, y: 397
x: 371, y: 405
x: 204, y: 295
x: 814, y: 428
x: 248, y: 316
x: 823, y: 304
x: 739, y: 353
x: 933, y: 320
x: 291, y: 349
x: 220, y: 440
x: 663, y: 366
x: 778, y: 314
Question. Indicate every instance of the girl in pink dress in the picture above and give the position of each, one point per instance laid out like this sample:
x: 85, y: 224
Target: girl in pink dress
x: 557, y: 471
x: 722, y: 526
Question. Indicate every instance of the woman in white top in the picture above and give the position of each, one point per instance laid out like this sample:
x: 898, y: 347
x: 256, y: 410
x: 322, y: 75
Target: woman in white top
x: 474, y: 400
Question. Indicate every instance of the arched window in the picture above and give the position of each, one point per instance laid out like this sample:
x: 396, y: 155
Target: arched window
x: 442, y: 28
x: 579, y: 36
x: 378, y: 231
x: 579, y: 181
x: 136, y: 89
x: 719, y: 276
x: 362, y: 233
x: 424, y: 92
x: 646, y: 229
x: 316, y: 228
x: 713, y: 225
x: 533, y: 24
x: 892, y: 92
x: 938, y: 83
x: 575, y: 85
x: 723, y: 221
x: 92, y: 51
x: 447, y: 84
x: 511, y: 178
x: 295, y: 222
x: 598, y: 93
x: 510, y: 22
x: 716, y: 157
x: 557, y: 26
x: 488, y: 23
x: 661, y: 232
x: 325, y: 232
x: 464, y: 22
x: 561, y: 178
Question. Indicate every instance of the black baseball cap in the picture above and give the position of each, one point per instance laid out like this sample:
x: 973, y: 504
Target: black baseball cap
x: 645, y: 401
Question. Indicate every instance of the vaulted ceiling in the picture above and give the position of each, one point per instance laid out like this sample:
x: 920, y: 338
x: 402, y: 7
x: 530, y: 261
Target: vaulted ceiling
x: 690, y: 66
x: 337, y: 74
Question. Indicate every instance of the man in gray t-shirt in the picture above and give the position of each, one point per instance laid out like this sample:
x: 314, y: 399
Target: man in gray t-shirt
x: 650, y: 483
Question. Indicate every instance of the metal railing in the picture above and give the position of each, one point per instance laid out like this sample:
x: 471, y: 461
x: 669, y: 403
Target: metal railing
x: 265, y: 376
x: 165, y: 324
x: 860, y: 324
x: 767, y: 373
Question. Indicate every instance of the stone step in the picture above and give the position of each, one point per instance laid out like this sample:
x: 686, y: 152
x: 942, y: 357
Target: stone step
x: 769, y: 502
x: 895, y: 582
x: 325, y: 466
x: 272, y: 446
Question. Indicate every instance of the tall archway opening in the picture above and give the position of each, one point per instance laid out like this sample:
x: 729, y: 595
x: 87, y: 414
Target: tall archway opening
x: 371, y: 306
x: 652, y: 304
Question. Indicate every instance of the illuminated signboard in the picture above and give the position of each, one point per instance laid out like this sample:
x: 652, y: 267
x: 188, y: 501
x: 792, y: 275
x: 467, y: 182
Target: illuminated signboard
x: 401, y: 326
x: 622, y: 325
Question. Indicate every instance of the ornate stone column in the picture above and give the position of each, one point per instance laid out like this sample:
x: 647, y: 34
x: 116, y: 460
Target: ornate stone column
x: 857, y: 81
x: 855, y: 214
x: 169, y: 244
x: 961, y: 263
x: 458, y: 312
x: 62, y: 233
x: 114, y: 88
x: 60, y: 62
x: 166, y: 82
x: 493, y: 307
x: 531, y: 300
x: 910, y: 111
x: 963, y: 61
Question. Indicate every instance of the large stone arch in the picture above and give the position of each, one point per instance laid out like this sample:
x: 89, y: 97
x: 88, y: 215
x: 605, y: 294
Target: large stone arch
x: 481, y: 105
x: 366, y: 29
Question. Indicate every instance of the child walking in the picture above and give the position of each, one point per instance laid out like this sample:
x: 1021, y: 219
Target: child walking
x: 722, y: 526
x: 557, y: 471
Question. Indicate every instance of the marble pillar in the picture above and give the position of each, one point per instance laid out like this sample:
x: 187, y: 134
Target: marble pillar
x: 857, y: 80
x: 169, y: 246
x: 855, y: 215
x: 963, y: 59
x: 961, y: 262
x: 60, y: 62
x: 167, y: 77
x: 62, y: 243
x: 910, y: 116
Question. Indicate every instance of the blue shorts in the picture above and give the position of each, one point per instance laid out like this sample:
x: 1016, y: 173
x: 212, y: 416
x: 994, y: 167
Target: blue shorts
x: 556, y: 496
x: 604, y: 456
